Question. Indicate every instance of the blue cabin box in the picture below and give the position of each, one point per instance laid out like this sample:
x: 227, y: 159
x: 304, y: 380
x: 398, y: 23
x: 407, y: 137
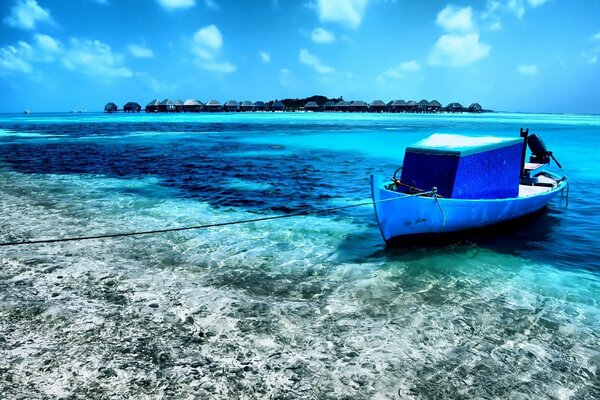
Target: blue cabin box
x: 465, y: 167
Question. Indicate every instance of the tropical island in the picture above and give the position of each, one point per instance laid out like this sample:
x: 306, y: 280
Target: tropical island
x: 316, y: 103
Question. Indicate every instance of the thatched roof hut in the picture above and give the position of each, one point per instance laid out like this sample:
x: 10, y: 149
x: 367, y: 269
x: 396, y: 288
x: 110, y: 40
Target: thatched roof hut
x: 455, y: 107
x: 260, y: 106
x: 423, y: 106
x: 132, y: 106
x: 343, y: 106
x: 475, y: 108
x: 411, y: 106
x: 231, y: 105
x: 178, y: 105
x: 435, y: 105
x: 378, y: 106
x: 329, y: 106
x: 277, y: 106
x: 399, y: 106
x: 153, y: 106
x: 167, y: 105
x: 111, y: 108
x: 312, y: 106
x: 359, y: 106
x: 192, y: 105
x: 247, y: 106
x: 213, y: 105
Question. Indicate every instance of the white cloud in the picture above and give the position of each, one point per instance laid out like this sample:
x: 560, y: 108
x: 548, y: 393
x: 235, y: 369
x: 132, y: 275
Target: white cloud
x: 536, y: 3
x: 596, y: 36
x: 528, y: 69
x: 47, y: 43
x: 85, y: 56
x: 452, y: 19
x: 11, y: 60
x: 45, y: 48
x: 207, y: 44
x: 496, y: 26
x: 410, y: 66
x: 26, y: 14
x: 20, y: 58
x: 491, y: 7
x: 139, y: 51
x: 347, y: 12
x: 266, y: 57
x: 313, y: 61
x: 320, y: 35
x: 223, y: 67
x: 93, y: 57
x: 212, y: 4
x: 176, y: 4
x: 399, y: 72
x: 458, y: 50
x: 517, y: 7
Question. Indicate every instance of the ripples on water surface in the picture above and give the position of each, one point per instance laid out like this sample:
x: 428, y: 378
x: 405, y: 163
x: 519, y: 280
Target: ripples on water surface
x: 312, y: 307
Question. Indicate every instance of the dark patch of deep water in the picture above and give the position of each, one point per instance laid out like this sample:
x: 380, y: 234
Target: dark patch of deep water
x: 201, y: 166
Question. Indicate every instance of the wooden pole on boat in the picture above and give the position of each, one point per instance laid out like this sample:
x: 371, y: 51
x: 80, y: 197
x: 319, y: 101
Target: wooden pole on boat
x: 524, y: 134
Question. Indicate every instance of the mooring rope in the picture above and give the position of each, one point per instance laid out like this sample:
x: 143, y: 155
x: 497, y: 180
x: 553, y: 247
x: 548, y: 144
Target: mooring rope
x: 206, y: 226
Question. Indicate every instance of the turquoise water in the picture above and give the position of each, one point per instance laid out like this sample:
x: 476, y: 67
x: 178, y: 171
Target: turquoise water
x: 309, y: 307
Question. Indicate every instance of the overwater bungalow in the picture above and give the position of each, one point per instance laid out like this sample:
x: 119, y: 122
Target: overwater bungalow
x: 260, y: 106
x: 153, y: 106
x: 132, y: 107
x: 343, y: 106
x: 359, y: 106
x: 455, y: 108
x: 167, y: 105
x: 377, y: 106
x: 412, y: 106
x: 435, y: 106
x: 399, y: 106
x: 178, y: 105
x: 277, y: 106
x: 423, y: 106
x: 110, y: 108
x: 312, y: 106
x: 231, y: 106
x: 192, y: 105
x: 329, y: 106
x: 213, y: 106
x: 247, y: 106
x: 475, y: 108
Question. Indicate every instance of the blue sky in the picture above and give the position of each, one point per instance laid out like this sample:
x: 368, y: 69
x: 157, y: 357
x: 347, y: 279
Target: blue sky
x: 509, y: 55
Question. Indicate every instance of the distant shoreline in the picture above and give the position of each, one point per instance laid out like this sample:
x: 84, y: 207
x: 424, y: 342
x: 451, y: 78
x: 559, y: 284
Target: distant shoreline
x: 316, y: 103
x: 100, y: 112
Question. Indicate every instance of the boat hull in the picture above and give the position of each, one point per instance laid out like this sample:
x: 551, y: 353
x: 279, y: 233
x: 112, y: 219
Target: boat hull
x: 402, y: 216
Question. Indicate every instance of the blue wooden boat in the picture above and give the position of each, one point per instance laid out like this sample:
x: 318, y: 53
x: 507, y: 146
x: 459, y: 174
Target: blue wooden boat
x: 453, y: 183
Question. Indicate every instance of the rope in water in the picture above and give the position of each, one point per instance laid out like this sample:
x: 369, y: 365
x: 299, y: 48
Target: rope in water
x: 215, y: 225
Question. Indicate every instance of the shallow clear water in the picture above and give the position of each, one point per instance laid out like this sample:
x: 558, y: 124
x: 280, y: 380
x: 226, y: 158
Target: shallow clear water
x: 309, y: 307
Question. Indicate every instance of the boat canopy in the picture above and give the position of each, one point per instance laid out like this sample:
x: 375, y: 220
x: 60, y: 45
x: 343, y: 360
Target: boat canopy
x: 461, y: 145
x: 465, y: 167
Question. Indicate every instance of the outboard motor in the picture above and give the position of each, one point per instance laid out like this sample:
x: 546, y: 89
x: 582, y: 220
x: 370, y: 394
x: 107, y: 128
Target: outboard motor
x: 539, y: 153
